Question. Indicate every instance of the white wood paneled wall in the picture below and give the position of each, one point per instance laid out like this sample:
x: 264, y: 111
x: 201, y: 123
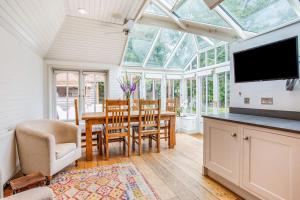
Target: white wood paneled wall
x: 85, y: 40
x: 35, y: 22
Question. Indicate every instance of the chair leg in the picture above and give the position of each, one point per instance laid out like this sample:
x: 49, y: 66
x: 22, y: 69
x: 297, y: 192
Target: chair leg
x: 150, y: 141
x: 124, y: 145
x: 166, y: 133
x: 76, y: 163
x: 133, y: 139
x: 107, y: 149
x: 100, y: 144
x: 128, y: 145
x: 140, y: 144
x: 158, y: 142
x: 48, y: 180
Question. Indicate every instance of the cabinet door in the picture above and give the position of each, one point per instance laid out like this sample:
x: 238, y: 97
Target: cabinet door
x: 271, y: 164
x: 222, y: 149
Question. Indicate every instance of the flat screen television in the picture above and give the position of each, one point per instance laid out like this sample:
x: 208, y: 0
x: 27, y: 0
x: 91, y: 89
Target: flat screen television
x: 274, y: 61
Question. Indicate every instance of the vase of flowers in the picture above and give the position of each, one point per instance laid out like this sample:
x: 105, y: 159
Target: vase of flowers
x: 127, y: 86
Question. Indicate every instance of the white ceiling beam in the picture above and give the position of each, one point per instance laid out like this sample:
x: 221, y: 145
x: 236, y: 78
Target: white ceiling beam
x: 141, y: 10
x: 231, y: 22
x: 196, y: 43
x: 190, y: 62
x: 175, y: 49
x: 151, y: 48
x: 295, y: 4
x: 209, y: 41
x: 161, y: 5
x: 217, y: 32
x: 124, y: 51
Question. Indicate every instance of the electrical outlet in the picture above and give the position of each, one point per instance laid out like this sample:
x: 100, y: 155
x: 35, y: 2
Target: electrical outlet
x: 267, y: 100
x: 246, y: 100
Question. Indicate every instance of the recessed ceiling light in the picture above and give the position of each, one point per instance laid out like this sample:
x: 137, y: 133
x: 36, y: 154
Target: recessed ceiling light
x: 82, y: 11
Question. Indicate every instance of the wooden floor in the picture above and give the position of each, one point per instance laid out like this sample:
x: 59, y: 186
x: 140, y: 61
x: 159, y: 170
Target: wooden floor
x: 173, y: 173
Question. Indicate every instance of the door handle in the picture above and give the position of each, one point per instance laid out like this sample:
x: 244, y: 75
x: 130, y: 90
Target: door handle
x: 233, y: 135
x: 246, y: 138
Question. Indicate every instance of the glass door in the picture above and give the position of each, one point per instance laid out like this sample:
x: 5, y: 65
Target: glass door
x: 66, y: 90
x: 94, y: 91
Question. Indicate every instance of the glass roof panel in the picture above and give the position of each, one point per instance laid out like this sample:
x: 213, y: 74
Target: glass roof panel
x: 201, y: 43
x: 197, y: 10
x: 153, y: 9
x: 139, y: 44
x: 163, y: 47
x: 184, y: 53
x: 259, y: 15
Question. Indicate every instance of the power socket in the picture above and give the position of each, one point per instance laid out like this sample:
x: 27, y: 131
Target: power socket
x: 246, y: 100
x: 267, y: 100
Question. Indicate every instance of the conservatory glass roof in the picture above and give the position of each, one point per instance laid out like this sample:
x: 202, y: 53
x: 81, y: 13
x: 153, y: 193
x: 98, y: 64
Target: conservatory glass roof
x: 159, y: 47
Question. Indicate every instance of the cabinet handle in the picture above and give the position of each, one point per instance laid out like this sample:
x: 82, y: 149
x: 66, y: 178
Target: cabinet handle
x: 246, y: 138
x: 233, y: 134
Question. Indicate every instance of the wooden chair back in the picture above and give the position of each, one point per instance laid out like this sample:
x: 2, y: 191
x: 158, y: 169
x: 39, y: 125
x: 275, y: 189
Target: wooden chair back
x: 171, y: 105
x: 135, y: 106
x: 117, y: 116
x: 149, y: 114
x: 76, y: 112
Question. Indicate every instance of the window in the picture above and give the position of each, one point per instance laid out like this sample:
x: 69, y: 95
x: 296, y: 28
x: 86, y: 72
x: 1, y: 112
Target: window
x: 207, y: 94
x: 88, y: 87
x: 133, y: 77
x: 184, y: 53
x: 67, y: 89
x: 94, y: 91
x: 194, y: 64
x: 139, y: 44
x: 202, y: 44
x: 259, y: 15
x: 221, y: 57
x: 211, y: 57
x: 223, y: 90
x: 163, y: 48
x: 191, y: 96
x: 153, y: 89
x: 202, y: 59
x: 173, y: 89
x: 197, y: 10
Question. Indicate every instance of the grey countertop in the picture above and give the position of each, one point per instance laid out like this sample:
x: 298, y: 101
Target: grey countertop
x: 268, y: 122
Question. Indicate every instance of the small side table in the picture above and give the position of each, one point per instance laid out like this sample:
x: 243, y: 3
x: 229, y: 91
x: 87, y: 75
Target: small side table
x: 27, y: 182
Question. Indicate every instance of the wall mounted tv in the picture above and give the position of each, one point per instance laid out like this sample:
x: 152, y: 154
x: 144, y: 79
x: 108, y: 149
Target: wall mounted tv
x: 274, y: 61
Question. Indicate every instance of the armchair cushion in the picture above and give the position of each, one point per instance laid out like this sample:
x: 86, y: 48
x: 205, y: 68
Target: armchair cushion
x: 40, y: 193
x: 63, y: 149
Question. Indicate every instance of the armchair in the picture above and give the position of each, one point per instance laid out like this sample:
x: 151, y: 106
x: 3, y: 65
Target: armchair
x: 47, y: 146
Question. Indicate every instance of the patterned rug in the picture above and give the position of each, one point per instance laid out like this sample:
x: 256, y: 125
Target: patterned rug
x: 118, y: 181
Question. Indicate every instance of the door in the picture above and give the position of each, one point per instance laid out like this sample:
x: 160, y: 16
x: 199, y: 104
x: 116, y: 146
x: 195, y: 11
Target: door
x: 66, y: 90
x: 94, y: 91
x: 271, y: 164
x: 222, y: 143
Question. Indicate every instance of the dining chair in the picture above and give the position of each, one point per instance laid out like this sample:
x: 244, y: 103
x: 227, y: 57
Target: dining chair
x: 171, y: 105
x: 96, y: 131
x: 149, y: 124
x: 117, y: 124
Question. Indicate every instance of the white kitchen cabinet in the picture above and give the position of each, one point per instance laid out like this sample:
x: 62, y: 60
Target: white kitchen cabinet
x: 222, y: 141
x: 270, y: 164
x: 262, y: 161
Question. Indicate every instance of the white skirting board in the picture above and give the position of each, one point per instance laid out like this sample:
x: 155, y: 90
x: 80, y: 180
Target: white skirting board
x: 9, y: 162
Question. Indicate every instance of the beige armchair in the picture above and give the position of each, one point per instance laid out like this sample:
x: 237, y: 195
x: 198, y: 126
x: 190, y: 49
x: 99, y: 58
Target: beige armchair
x: 47, y: 146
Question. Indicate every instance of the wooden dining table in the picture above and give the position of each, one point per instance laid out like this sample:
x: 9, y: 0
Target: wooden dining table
x: 95, y: 118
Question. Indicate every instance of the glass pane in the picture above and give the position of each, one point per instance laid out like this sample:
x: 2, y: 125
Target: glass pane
x: 134, y: 78
x: 152, y: 8
x: 211, y: 57
x: 177, y: 90
x: 164, y: 47
x: 203, y: 95
x: 67, y: 89
x: 259, y: 15
x: 210, y: 94
x: 94, y: 91
x: 170, y: 89
x: 202, y: 43
x: 227, y: 103
x: 202, y: 59
x: 221, y: 54
x: 193, y: 103
x: 184, y: 53
x: 149, y: 89
x: 139, y: 44
x: 157, y: 89
x: 189, y: 95
x: 221, y: 90
x: 196, y: 10
x: 194, y: 64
